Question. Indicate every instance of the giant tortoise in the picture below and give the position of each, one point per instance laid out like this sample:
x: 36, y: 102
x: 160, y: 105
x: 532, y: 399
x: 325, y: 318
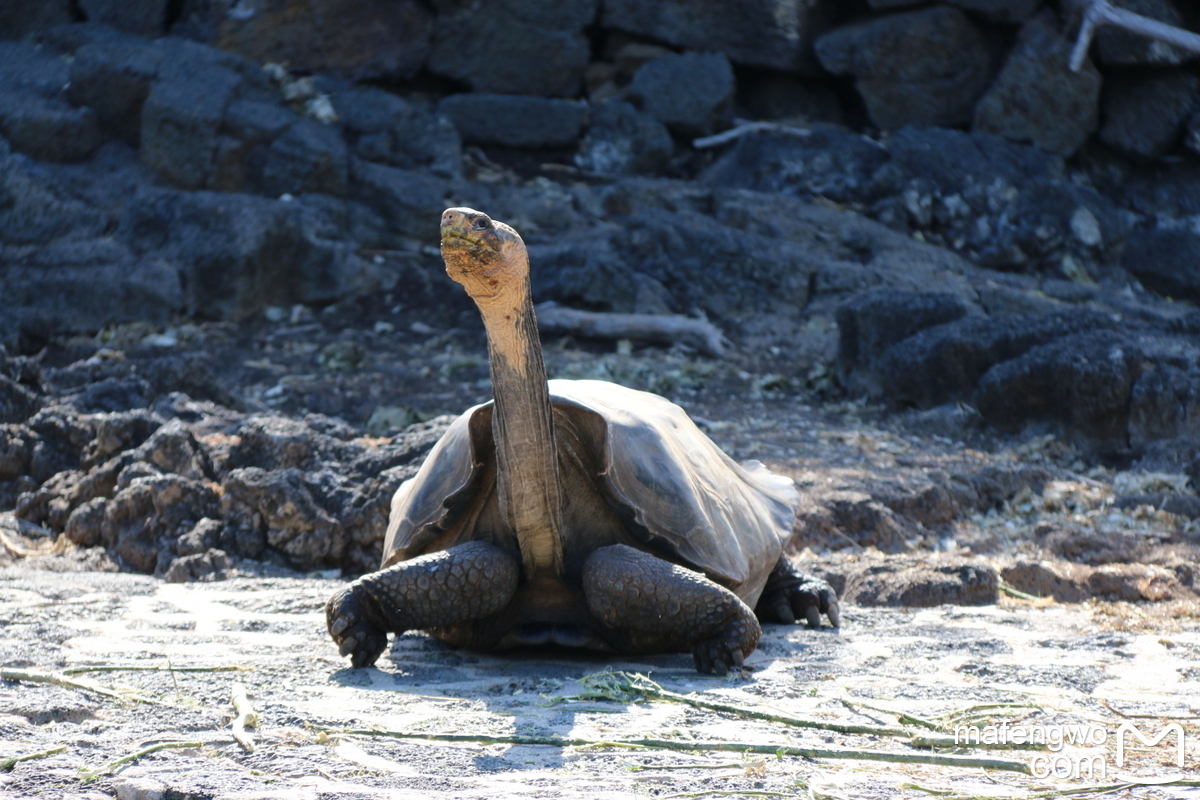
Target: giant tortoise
x: 578, y: 513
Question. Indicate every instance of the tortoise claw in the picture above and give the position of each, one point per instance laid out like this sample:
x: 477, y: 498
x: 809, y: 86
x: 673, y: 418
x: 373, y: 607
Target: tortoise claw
x: 834, y: 612
x: 348, y: 621
x: 812, y: 615
x: 791, y: 596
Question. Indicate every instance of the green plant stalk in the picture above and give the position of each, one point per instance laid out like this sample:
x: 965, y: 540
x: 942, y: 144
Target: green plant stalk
x: 962, y: 762
x: 89, y: 775
x: 7, y: 764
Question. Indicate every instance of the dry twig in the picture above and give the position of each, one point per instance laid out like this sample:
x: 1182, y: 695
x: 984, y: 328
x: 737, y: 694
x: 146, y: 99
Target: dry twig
x: 89, y: 775
x: 622, y: 686
x: 1102, y: 12
x: 961, y: 762
x: 245, y: 717
x: 7, y: 764
x: 657, y: 328
x: 150, y: 668
x: 744, y: 128
x: 83, y: 685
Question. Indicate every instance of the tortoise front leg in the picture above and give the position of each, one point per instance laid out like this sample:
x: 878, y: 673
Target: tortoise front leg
x: 655, y: 605
x: 465, y: 583
x: 791, y: 595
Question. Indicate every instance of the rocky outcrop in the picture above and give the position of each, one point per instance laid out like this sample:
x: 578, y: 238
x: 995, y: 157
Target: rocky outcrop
x: 526, y: 48
x: 358, y: 38
x: 925, y: 67
x: 1036, y: 97
x: 763, y: 34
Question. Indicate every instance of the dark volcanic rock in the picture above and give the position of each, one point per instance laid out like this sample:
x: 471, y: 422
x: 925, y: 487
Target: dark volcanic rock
x: 213, y: 565
x: 143, y: 520
x: 238, y: 253
x: 1114, y: 45
x: 146, y: 18
x: 624, y: 141
x: 307, y: 157
x: 1082, y: 381
x: 409, y: 203
x: 688, y: 92
x: 281, y: 443
x: 17, y: 403
x: 53, y: 288
x: 181, y: 122
x: 759, y: 33
x: 173, y: 448
x: 682, y: 260
x: 1003, y: 11
x: 921, y: 583
x: 1032, y: 216
x: 383, y: 127
x: 515, y: 120
x: 1164, y: 259
x: 1009, y: 205
x: 521, y: 48
x: 829, y: 161
x: 873, y: 321
x: 120, y: 431
x: 34, y: 114
x: 278, y: 509
x: 115, y: 79
x: 945, y: 363
x: 361, y: 38
x: 778, y: 96
x: 1036, y: 97
x: 1145, y: 114
x: 925, y: 67
x: 19, y: 20
x: 1165, y: 404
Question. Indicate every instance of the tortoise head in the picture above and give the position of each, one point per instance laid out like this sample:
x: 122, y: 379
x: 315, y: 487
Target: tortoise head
x: 487, y: 257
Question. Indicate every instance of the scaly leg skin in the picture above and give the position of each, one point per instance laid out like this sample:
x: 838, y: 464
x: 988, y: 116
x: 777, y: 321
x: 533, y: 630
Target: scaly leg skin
x: 656, y: 605
x: 465, y: 583
x: 791, y: 595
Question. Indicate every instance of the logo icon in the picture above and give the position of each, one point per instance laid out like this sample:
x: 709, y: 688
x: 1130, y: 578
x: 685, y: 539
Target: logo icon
x: 1150, y: 741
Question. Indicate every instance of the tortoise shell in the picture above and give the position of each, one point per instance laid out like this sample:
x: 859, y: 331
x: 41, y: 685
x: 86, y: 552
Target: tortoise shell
x: 668, y: 487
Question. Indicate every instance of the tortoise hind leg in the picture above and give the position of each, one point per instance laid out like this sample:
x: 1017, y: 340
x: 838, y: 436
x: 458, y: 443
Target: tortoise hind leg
x: 449, y: 587
x: 654, y: 605
x: 791, y: 595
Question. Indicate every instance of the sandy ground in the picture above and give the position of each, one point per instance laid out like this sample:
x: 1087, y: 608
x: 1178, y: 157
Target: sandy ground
x: 1087, y: 668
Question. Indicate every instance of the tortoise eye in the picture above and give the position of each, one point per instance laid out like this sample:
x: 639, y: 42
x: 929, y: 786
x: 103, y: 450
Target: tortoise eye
x: 481, y: 224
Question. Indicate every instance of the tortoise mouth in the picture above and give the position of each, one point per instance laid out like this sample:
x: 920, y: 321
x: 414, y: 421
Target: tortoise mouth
x: 456, y: 239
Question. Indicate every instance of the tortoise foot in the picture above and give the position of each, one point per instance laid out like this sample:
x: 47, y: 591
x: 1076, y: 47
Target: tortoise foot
x: 791, y: 595
x: 651, y: 605
x: 349, y: 615
x: 450, y: 587
x: 728, y: 649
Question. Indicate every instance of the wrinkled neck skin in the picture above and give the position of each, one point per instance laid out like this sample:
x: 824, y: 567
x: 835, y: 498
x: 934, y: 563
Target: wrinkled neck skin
x: 522, y: 422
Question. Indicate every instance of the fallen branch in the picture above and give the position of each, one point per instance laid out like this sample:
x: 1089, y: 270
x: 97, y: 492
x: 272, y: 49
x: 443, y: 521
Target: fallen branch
x: 1007, y: 588
x: 910, y: 719
x: 83, y: 685
x: 962, y: 762
x: 745, y: 128
x: 89, y: 775
x: 1102, y: 12
x: 1114, y: 787
x: 245, y: 717
x: 18, y: 549
x: 621, y: 686
x: 656, y: 328
x: 7, y: 764
x: 148, y: 668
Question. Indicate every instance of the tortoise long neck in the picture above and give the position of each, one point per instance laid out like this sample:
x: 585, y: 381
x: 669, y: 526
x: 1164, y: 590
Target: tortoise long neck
x: 523, y: 428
